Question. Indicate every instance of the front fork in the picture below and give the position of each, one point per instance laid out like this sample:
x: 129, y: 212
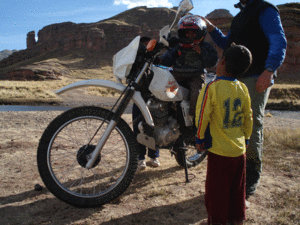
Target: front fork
x: 111, y: 125
x: 129, y: 91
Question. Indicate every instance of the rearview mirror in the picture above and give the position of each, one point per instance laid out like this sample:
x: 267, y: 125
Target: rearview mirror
x: 184, y: 7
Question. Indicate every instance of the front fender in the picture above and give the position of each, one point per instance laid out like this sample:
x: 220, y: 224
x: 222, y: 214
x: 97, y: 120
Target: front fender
x: 99, y: 83
x: 118, y: 87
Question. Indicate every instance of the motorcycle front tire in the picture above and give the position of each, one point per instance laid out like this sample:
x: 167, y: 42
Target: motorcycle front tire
x: 65, y: 147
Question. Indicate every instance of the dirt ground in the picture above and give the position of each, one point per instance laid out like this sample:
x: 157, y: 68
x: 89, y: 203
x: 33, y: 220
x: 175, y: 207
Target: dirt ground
x: 156, y: 196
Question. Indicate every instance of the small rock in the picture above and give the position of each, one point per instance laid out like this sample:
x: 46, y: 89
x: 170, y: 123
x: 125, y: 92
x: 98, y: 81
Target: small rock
x: 268, y: 115
x: 38, y: 187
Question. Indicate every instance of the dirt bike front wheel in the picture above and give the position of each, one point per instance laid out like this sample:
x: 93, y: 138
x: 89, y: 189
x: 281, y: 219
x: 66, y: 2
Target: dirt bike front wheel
x: 64, y: 150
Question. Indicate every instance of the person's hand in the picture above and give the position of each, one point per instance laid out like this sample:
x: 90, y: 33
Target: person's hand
x: 264, y: 81
x: 210, y: 26
x: 200, y: 148
x: 197, y: 48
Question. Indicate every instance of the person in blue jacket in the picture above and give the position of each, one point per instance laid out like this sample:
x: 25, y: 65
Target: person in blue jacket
x: 258, y: 27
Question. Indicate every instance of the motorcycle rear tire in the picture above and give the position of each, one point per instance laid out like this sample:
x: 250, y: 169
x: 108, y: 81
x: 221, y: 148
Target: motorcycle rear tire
x: 63, y: 151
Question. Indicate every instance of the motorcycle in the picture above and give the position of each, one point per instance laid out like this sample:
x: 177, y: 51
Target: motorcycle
x: 88, y: 156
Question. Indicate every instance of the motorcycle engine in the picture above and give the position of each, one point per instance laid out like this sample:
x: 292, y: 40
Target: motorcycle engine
x: 166, y: 128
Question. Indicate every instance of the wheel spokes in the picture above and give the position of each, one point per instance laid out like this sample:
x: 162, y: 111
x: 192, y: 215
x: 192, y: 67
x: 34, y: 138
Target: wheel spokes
x: 66, y: 152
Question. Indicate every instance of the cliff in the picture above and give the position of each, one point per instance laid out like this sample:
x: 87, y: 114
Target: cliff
x: 290, y: 16
x: 98, y: 42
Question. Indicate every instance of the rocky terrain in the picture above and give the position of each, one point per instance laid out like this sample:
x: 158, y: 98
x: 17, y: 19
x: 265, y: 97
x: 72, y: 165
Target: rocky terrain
x: 96, y: 40
x: 101, y: 40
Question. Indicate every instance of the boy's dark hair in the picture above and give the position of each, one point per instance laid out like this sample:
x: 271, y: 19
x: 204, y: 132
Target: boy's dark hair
x: 238, y: 59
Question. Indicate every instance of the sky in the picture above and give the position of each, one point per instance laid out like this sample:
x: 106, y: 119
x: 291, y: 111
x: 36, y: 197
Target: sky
x: 18, y: 17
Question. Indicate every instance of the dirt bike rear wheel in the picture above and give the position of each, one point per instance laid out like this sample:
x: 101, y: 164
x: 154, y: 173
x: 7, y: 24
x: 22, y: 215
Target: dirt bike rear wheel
x: 192, y: 157
x: 63, y: 151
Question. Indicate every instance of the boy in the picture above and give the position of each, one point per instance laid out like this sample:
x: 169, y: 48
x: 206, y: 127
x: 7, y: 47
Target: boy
x: 191, y: 56
x: 224, y: 106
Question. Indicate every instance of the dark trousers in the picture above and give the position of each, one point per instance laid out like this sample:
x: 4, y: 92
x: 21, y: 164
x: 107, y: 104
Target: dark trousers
x: 194, y: 84
x: 225, y: 188
x: 143, y: 150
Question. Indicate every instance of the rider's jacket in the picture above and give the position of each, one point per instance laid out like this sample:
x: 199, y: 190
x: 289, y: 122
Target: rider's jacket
x: 187, y: 62
x: 224, y: 106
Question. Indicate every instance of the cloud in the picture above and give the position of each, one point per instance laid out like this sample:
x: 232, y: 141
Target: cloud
x: 149, y: 3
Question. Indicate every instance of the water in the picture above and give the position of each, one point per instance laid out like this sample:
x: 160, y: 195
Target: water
x: 16, y: 108
x: 285, y: 114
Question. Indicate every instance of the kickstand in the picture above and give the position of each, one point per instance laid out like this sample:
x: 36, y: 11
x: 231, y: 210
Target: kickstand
x: 185, y: 165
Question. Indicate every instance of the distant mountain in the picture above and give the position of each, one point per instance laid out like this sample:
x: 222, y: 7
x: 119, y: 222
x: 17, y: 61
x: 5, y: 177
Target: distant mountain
x: 219, y: 13
x: 5, y: 53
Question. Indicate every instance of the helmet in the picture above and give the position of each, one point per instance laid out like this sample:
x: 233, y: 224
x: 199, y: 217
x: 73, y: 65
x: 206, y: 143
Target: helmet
x: 192, y: 22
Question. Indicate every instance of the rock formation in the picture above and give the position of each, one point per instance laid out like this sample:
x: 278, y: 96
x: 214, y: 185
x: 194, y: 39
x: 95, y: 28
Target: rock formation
x: 105, y: 38
x: 30, y: 39
x: 290, y: 16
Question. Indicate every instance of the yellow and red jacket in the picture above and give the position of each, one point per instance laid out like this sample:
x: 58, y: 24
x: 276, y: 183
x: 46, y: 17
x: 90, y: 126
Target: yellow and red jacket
x: 224, y: 106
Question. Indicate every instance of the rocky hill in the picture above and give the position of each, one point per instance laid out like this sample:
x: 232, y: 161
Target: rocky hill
x: 290, y: 16
x: 219, y: 13
x: 96, y: 43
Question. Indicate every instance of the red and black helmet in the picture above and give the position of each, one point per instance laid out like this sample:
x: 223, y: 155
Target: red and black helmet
x: 192, y: 22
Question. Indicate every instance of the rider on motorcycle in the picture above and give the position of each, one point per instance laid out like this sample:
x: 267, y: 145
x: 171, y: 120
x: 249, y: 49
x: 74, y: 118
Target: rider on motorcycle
x: 190, y: 56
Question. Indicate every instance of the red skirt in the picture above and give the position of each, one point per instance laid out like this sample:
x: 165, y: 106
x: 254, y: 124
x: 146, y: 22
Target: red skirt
x: 225, y: 188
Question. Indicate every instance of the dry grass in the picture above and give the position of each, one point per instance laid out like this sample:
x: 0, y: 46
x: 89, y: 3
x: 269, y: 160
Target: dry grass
x: 43, y: 91
x: 31, y: 91
x: 27, y: 92
x: 282, y: 157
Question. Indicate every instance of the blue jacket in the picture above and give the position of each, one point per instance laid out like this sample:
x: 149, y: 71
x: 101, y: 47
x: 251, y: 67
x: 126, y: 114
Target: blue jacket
x: 270, y: 24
